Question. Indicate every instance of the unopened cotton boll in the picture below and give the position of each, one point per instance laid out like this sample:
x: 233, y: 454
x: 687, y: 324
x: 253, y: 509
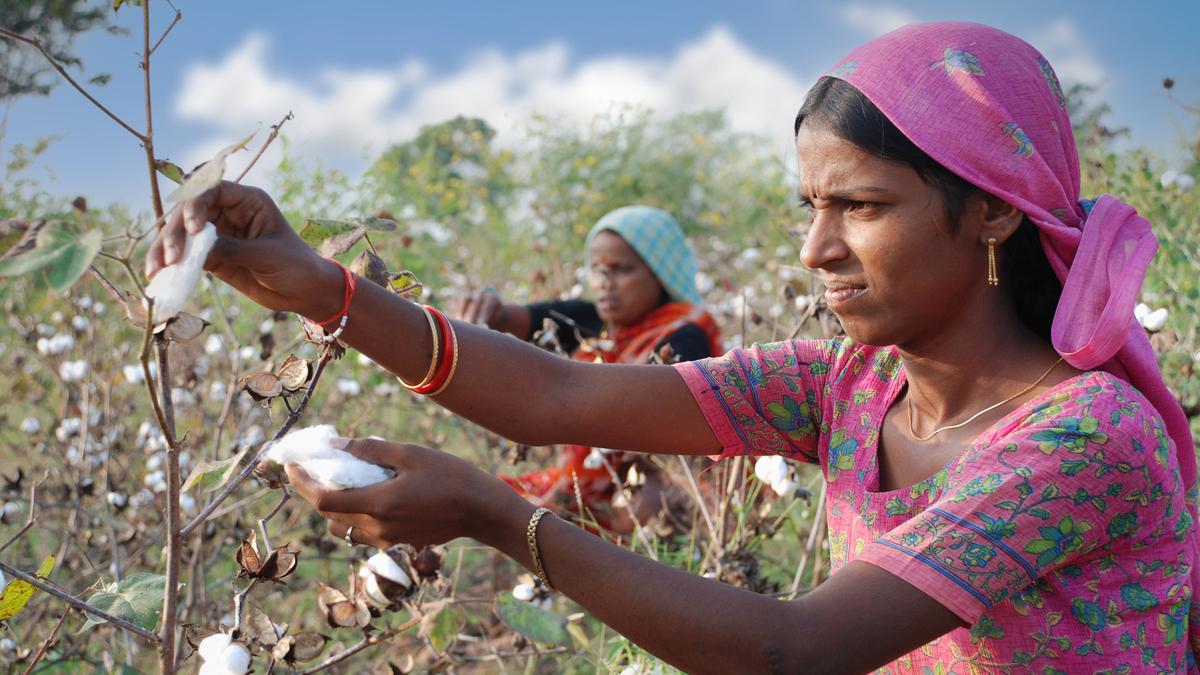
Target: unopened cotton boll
x: 331, y: 468
x: 31, y: 425
x: 173, y: 285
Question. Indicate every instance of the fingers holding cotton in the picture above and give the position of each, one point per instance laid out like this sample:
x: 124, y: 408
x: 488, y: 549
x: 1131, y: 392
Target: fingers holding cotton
x: 329, y: 467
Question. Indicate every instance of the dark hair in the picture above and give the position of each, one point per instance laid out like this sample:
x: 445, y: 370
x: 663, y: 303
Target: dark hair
x: 837, y: 106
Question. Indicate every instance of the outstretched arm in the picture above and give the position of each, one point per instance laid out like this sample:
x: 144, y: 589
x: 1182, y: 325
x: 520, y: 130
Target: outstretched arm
x: 501, y: 383
x: 860, y: 619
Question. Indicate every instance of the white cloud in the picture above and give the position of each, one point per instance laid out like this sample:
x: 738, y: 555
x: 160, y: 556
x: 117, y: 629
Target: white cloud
x: 875, y: 20
x: 341, y: 114
x: 1068, y: 52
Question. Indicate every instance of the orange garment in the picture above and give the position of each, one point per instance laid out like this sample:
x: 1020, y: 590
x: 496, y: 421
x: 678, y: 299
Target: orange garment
x: 555, y: 486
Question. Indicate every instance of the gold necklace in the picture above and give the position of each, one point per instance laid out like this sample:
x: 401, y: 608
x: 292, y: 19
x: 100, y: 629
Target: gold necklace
x: 913, y: 432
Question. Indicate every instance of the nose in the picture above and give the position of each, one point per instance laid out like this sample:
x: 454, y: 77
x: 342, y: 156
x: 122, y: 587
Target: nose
x: 824, y: 244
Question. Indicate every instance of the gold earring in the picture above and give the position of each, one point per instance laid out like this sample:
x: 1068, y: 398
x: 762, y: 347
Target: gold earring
x: 993, y: 280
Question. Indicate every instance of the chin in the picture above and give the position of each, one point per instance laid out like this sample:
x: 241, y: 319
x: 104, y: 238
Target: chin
x: 867, y: 332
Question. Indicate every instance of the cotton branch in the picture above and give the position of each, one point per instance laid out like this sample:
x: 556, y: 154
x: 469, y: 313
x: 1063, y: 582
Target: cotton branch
x: 236, y: 481
x: 274, y: 134
x: 37, y: 44
x: 77, y: 603
x: 363, y: 644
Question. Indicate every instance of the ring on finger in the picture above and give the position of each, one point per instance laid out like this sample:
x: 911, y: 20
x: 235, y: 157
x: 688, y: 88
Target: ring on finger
x: 349, y: 536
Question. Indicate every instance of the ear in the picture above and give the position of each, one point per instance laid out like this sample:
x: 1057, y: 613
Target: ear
x: 996, y: 218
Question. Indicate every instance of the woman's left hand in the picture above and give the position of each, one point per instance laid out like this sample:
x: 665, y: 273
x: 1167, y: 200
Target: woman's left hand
x: 433, y: 498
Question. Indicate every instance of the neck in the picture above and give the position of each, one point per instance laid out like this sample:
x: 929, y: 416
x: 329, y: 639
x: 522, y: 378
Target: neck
x: 984, y: 356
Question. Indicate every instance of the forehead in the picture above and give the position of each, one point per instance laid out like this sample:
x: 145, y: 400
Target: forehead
x: 828, y: 163
x: 609, y: 245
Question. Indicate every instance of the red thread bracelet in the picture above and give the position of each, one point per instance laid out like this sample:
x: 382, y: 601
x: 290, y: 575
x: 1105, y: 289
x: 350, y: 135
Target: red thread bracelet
x: 351, y: 283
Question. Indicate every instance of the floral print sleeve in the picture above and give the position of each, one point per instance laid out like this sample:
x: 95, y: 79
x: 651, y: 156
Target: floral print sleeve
x: 767, y: 399
x: 1081, y: 478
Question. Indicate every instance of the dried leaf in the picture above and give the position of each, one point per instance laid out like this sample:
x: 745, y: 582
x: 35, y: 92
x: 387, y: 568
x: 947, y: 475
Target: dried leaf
x: 276, y: 565
x: 16, y: 593
x: 299, y: 648
x: 257, y: 626
x: 185, y: 327
x: 261, y: 385
x: 370, y: 266
x: 294, y: 373
x: 340, y: 243
x: 206, y: 176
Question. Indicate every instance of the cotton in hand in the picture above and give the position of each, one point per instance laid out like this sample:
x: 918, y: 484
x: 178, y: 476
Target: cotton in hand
x: 173, y: 285
x: 333, y: 469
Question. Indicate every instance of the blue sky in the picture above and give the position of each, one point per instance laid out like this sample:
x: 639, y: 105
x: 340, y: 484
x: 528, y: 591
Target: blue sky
x: 360, y: 75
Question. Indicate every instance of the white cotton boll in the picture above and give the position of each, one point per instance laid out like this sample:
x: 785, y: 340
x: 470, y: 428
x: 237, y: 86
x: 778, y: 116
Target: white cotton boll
x: 187, y: 503
x: 1154, y: 321
x: 349, y: 387
x: 43, y: 346
x: 11, y: 509
x: 68, y: 428
x: 116, y: 500
x: 1168, y: 178
x: 155, y: 461
x: 213, y: 646
x: 31, y: 425
x: 84, y: 302
x: 45, y: 329
x: 370, y: 587
x: 57, y: 317
x: 1185, y: 182
x: 383, y: 565
x: 523, y: 592
x: 594, y: 460
x: 1140, y: 311
x: 213, y: 668
x: 173, y: 285
x: 247, y: 353
x: 73, y: 371
x: 182, y: 396
x: 784, y: 488
x: 79, y: 323
x: 771, y: 468
x: 333, y: 469
x: 266, y: 326
x: 236, y: 658
x: 98, y: 308
x: 133, y: 374
x: 7, y: 644
x: 213, y: 345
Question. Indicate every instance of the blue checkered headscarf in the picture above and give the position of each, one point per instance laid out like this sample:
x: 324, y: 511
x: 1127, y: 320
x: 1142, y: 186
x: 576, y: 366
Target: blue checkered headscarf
x: 659, y: 240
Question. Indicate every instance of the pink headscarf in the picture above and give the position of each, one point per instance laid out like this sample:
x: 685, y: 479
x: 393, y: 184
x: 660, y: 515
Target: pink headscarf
x: 988, y: 106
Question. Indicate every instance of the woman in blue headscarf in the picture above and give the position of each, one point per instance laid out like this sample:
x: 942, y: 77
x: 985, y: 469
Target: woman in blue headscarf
x: 645, y: 305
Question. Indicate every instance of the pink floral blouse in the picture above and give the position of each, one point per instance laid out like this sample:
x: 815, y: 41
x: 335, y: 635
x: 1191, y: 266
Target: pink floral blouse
x: 1059, y: 536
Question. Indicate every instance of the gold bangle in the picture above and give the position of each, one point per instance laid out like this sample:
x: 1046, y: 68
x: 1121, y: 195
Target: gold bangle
x: 534, y: 553
x: 453, y: 359
x: 433, y: 362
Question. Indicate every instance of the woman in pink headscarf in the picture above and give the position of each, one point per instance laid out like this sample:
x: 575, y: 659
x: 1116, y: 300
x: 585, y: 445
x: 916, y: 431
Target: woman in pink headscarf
x: 1011, y: 486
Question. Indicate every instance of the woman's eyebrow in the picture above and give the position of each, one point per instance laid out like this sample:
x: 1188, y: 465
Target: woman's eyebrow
x: 845, y: 193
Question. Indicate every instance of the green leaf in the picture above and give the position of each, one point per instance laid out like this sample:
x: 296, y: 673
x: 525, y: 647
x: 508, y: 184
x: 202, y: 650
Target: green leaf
x: 65, y: 252
x: 170, y: 170
x: 212, y: 474
x: 533, y: 622
x: 138, y: 598
x: 441, y: 624
x: 315, y: 231
x: 74, y: 260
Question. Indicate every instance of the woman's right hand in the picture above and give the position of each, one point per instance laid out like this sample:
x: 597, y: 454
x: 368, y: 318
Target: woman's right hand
x: 257, y: 251
x: 485, y: 308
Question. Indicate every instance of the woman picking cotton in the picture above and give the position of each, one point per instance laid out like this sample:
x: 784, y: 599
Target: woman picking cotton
x: 642, y: 275
x: 1011, y: 486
